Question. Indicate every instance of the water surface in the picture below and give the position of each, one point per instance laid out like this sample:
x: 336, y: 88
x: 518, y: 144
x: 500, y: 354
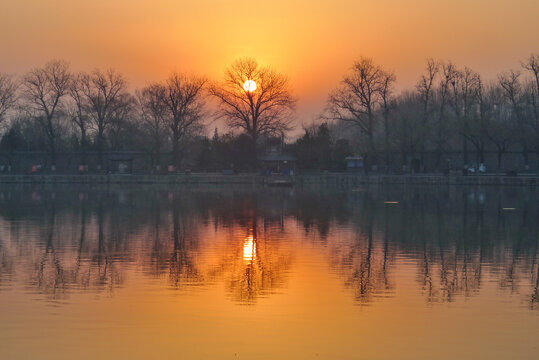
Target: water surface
x: 253, y: 273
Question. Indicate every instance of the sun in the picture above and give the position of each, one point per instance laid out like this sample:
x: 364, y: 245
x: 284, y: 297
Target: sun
x: 249, y: 85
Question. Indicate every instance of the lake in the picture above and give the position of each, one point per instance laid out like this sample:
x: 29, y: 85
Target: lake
x: 149, y: 272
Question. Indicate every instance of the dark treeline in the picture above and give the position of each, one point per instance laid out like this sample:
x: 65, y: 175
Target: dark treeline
x: 450, y: 119
x: 451, y: 110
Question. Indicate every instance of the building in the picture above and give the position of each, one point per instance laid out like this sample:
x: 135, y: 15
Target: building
x: 354, y: 163
x: 278, y: 163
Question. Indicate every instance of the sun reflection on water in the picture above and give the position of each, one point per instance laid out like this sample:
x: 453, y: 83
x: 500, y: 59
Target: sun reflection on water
x: 249, y: 249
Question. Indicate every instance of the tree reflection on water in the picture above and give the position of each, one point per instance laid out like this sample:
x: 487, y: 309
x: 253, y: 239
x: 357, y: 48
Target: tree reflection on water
x: 63, y: 240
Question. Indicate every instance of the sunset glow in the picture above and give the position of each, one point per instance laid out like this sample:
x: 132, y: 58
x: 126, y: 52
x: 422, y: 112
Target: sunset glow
x: 312, y: 42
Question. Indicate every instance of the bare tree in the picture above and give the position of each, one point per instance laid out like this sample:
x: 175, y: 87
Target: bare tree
x: 513, y: 92
x: 387, y: 104
x: 104, y: 92
x: 358, y: 98
x: 464, y: 87
x: 79, y: 112
x: 262, y: 109
x: 479, y: 122
x: 8, y: 94
x: 447, y: 73
x: 152, y: 111
x: 425, y: 88
x: 499, y: 129
x: 532, y: 64
x: 182, y: 97
x: 122, y: 131
x: 532, y: 90
x: 407, y: 125
x: 44, y: 88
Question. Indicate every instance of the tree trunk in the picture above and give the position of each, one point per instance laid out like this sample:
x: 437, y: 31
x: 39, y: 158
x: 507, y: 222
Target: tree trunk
x: 52, y: 142
x: 372, y: 150
x: 176, y: 150
x: 387, y: 144
x: 100, y: 149
x: 438, y: 157
x: 500, y: 155
x: 53, y: 152
x: 439, y: 142
x: 404, y: 159
x: 465, y: 150
x: 423, y: 156
x: 158, y: 155
x: 83, y: 145
x: 525, y: 154
x: 481, y: 154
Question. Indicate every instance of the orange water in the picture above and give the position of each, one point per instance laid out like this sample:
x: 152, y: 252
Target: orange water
x: 231, y: 273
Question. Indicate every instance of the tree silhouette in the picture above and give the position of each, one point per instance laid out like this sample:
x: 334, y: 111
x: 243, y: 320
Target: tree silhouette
x: 266, y: 110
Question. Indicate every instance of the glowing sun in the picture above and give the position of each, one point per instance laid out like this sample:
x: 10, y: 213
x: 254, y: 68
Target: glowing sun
x: 249, y: 85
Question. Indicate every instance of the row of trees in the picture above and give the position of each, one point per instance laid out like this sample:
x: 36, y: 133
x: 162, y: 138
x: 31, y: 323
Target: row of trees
x: 451, y: 109
x: 95, y: 111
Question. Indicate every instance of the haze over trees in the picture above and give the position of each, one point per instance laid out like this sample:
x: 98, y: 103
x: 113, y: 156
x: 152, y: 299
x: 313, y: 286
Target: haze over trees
x: 452, y: 118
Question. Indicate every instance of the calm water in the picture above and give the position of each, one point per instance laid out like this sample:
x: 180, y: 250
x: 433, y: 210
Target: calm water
x: 232, y: 273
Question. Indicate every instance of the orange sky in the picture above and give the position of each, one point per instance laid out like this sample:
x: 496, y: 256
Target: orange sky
x: 313, y: 42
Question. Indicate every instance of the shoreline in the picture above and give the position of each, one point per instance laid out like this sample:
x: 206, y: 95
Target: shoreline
x: 341, y: 179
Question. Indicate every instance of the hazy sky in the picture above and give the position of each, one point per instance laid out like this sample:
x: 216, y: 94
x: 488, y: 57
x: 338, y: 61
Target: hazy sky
x: 313, y: 42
